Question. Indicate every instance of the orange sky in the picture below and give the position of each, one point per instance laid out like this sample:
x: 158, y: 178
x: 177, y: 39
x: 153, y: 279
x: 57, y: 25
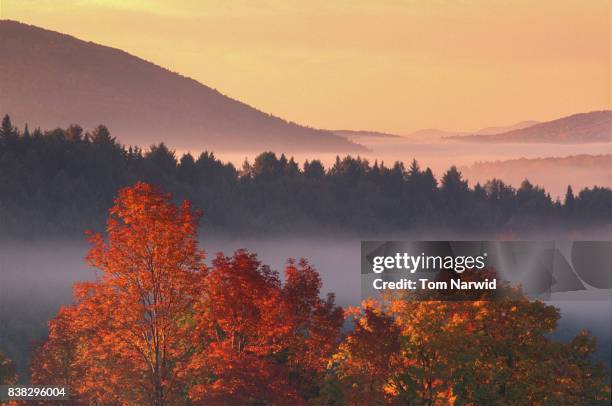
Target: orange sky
x: 388, y: 65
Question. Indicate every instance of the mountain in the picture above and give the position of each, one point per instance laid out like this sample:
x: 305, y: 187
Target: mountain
x: 51, y: 79
x: 503, y: 129
x: 595, y: 126
x: 431, y: 134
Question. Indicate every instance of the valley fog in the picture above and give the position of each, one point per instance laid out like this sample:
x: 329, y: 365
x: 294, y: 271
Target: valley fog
x: 437, y: 155
x: 36, y: 279
x: 440, y: 155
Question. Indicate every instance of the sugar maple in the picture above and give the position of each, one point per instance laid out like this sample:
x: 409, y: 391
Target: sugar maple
x: 125, y: 336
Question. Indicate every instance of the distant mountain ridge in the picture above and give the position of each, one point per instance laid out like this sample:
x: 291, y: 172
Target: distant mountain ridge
x: 356, y: 135
x: 595, y: 126
x: 429, y: 134
x: 503, y: 129
x: 52, y: 80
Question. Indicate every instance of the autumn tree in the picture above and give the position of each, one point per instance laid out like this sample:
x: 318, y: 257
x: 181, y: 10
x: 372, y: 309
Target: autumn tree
x: 265, y: 342
x: 125, y: 337
x: 58, y: 360
x: 370, y: 356
x: 157, y: 327
x: 55, y: 360
x: 483, y: 350
x: 315, y: 327
x: 580, y: 378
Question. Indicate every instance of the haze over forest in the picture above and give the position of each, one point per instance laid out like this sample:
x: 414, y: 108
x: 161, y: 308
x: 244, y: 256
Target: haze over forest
x: 53, y: 80
x: 85, y: 120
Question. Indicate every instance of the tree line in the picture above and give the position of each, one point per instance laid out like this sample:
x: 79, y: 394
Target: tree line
x: 64, y: 180
x: 159, y: 327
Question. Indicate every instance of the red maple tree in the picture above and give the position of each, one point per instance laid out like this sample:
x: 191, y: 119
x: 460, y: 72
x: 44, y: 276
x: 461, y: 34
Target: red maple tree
x: 157, y: 327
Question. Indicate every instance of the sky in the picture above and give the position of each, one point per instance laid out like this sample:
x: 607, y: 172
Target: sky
x: 385, y: 65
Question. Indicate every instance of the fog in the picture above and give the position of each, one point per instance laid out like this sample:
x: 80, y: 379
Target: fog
x: 36, y: 278
x: 441, y: 154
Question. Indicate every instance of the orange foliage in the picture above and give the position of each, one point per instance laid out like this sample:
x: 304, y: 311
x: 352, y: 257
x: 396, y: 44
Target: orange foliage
x: 157, y: 327
x: 266, y: 341
x: 370, y: 355
x: 432, y: 352
x: 125, y: 336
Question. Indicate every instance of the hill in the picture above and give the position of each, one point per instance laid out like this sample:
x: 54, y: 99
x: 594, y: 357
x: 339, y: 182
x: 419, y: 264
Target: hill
x: 595, y: 126
x: 503, y: 129
x: 53, y: 80
x: 434, y: 134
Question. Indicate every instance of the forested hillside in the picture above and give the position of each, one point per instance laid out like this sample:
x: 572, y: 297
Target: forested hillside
x: 52, y: 79
x: 594, y: 126
x: 64, y: 180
